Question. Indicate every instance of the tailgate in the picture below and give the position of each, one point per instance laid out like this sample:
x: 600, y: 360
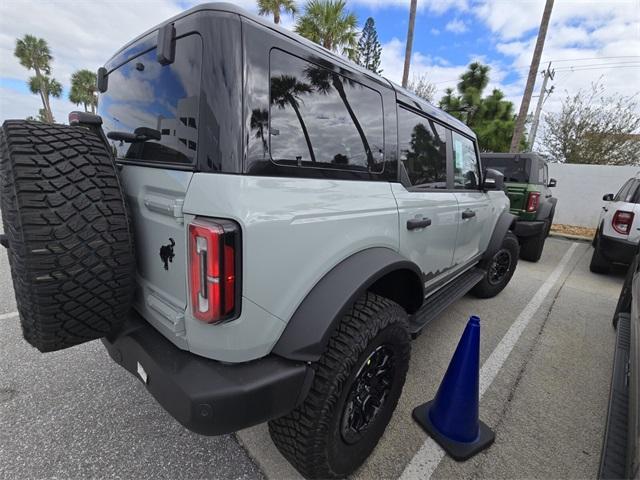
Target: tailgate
x: 517, y: 193
x: 155, y: 197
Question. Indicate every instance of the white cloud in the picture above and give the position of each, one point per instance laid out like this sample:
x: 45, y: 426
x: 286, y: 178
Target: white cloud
x: 435, y: 31
x: 435, y: 6
x: 456, y: 26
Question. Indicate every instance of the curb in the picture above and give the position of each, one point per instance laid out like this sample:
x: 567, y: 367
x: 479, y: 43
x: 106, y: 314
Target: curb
x: 568, y: 236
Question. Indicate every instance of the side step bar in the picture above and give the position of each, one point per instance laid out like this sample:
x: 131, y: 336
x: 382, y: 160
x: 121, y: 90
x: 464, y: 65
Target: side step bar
x: 437, y: 302
x: 613, y: 461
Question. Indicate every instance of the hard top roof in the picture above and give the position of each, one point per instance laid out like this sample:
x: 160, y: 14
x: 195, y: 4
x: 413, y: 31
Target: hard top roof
x: 231, y: 8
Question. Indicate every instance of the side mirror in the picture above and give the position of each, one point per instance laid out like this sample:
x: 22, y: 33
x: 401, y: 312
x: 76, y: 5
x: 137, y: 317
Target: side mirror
x: 608, y: 197
x: 552, y: 182
x: 493, y: 180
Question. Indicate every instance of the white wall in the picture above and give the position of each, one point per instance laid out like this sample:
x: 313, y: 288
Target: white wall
x: 580, y: 190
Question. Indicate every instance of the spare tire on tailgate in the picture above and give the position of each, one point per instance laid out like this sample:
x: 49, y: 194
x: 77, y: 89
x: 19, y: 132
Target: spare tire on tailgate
x: 68, y: 233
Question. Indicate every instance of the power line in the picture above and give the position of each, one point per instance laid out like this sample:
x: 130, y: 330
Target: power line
x: 592, y: 58
x: 599, y: 64
x: 599, y: 68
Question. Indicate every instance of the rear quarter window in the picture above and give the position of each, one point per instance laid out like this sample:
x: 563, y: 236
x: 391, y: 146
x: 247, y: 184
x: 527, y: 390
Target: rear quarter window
x: 321, y: 119
x: 143, y: 93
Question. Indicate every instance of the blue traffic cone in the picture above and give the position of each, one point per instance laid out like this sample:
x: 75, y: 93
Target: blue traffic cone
x: 451, y: 418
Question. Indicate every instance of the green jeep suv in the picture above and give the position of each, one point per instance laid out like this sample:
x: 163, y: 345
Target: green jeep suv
x: 527, y: 181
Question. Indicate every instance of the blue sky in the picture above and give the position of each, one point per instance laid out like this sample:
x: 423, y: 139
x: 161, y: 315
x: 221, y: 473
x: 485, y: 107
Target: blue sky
x: 588, y: 40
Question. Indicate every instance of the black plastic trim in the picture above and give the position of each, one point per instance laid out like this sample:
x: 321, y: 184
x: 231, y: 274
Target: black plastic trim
x: 309, y: 329
x: 506, y: 221
x: 206, y: 396
x: 617, y: 250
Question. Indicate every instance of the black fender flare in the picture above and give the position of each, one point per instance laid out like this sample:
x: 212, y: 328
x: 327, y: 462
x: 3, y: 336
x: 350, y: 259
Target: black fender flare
x: 307, y: 334
x: 544, y: 212
x: 506, y: 222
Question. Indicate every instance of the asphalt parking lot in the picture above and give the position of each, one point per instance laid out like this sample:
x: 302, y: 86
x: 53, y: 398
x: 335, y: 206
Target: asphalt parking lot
x: 546, y: 351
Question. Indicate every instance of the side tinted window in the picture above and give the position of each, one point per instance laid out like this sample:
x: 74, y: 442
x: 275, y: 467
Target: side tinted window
x: 319, y: 118
x: 423, y: 149
x: 466, y: 174
x: 144, y: 94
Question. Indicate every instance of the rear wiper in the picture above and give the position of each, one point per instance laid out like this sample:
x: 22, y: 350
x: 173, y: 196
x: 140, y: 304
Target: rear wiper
x: 140, y: 134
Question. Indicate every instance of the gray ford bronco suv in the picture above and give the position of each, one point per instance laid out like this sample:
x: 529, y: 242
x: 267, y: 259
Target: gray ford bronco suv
x: 255, y: 228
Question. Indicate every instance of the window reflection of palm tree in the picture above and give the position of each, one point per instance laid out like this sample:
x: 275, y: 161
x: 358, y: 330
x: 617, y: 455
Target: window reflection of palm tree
x: 287, y: 90
x: 425, y: 154
x: 323, y: 80
x: 259, y: 119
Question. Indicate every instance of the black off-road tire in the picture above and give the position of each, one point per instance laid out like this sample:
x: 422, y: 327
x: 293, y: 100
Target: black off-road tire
x: 598, y: 263
x: 70, y: 241
x: 312, y: 436
x: 531, y: 247
x: 490, y: 286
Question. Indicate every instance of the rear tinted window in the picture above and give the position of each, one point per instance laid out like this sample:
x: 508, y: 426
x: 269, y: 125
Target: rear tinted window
x: 321, y: 119
x: 513, y: 169
x: 142, y: 93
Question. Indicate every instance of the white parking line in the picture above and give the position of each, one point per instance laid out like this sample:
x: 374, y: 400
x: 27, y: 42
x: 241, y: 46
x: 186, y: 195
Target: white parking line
x: 5, y: 316
x: 428, y: 457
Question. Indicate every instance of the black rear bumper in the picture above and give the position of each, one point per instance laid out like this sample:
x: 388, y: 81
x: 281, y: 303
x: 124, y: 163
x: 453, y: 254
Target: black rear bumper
x: 206, y: 396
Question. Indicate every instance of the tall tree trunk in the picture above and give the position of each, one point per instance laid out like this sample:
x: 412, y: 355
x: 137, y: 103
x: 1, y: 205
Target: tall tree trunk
x: 409, y: 47
x: 44, y: 96
x: 531, y: 79
x: 85, y: 107
x: 294, y: 104
x: 365, y: 144
x: 276, y: 16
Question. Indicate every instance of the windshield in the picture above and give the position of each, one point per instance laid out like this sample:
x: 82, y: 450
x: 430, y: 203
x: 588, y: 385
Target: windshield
x: 514, y: 169
x: 142, y: 93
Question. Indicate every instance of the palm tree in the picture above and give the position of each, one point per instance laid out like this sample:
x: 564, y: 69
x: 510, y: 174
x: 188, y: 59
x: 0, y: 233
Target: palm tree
x: 326, y: 22
x: 287, y: 90
x: 531, y: 78
x: 323, y: 81
x: 83, y: 89
x: 46, y: 87
x: 274, y: 7
x: 409, y: 47
x: 259, y: 120
x: 34, y: 54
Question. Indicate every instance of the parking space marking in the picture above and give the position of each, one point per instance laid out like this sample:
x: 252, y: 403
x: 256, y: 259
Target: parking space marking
x: 6, y: 316
x: 429, y: 456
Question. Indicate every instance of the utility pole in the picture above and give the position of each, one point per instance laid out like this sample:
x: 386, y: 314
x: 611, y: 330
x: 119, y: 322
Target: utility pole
x: 531, y: 79
x: 409, y: 46
x: 548, y: 74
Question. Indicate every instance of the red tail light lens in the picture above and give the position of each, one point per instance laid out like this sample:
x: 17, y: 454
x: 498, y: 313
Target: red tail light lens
x: 214, y: 250
x: 533, y: 201
x: 622, y: 221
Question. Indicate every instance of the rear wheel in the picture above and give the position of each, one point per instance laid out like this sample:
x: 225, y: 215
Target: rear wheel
x: 499, y: 268
x: 69, y: 239
x: 531, y: 247
x: 598, y: 264
x: 356, y: 387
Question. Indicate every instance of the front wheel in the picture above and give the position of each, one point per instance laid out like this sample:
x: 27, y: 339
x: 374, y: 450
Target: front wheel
x: 357, y: 384
x: 499, y: 268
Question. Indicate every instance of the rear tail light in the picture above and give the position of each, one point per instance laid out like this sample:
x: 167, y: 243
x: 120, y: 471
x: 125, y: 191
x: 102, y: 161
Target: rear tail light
x: 214, y: 260
x: 533, y: 201
x: 622, y: 221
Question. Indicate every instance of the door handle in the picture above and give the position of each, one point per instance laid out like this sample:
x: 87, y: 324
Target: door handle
x: 468, y: 214
x: 415, y: 223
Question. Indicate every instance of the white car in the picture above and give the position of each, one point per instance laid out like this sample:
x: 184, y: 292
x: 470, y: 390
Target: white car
x: 618, y: 232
